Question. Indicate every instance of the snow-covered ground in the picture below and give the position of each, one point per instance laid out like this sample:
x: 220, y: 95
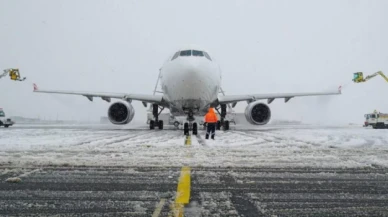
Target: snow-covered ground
x: 244, y: 146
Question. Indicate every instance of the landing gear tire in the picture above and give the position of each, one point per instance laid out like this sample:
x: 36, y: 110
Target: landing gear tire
x: 160, y: 125
x: 218, y: 125
x: 186, y: 129
x: 226, y: 125
x: 152, y: 124
x: 195, y: 128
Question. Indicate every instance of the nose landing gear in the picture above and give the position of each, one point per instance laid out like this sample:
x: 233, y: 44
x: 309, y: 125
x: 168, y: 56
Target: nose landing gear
x: 186, y: 129
x: 190, y: 124
x: 193, y: 126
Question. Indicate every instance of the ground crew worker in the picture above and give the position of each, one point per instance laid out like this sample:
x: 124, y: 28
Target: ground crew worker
x: 211, y: 121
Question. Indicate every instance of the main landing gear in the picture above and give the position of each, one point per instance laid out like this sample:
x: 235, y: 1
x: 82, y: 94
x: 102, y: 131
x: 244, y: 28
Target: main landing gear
x: 222, y: 123
x: 156, y: 123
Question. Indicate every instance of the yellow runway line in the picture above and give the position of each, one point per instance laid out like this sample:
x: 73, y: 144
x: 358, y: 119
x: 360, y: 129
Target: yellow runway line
x: 188, y: 140
x: 183, y: 191
x: 159, y: 208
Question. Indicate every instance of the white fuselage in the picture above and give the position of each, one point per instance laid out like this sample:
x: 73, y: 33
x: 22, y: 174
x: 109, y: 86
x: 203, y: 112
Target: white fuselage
x: 190, y: 83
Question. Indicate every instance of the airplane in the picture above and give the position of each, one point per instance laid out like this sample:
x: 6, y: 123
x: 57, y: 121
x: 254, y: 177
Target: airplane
x: 190, y: 81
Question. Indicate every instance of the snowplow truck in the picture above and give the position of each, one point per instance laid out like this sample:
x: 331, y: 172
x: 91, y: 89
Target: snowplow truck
x: 377, y: 120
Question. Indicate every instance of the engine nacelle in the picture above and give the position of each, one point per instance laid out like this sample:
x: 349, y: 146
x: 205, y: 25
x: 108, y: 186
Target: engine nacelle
x: 121, y: 113
x: 257, y: 113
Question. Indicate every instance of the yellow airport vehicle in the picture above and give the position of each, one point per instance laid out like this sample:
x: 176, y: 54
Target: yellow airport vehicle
x: 358, y: 77
x: 14, y: 74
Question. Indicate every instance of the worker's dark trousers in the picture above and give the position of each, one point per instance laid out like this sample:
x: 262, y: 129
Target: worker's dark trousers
x: 211, y: 129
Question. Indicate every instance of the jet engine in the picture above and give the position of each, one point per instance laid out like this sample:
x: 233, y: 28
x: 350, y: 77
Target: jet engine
x: 121, y: 113
x: 257, y: 113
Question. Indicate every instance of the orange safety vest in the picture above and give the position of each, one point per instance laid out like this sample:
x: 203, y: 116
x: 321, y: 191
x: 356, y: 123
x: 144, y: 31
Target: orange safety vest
x: 211, y: 116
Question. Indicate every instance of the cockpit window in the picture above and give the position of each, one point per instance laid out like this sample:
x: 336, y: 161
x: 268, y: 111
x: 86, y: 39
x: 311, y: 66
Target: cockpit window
x: 197, y: 53
x: 2, y: 114
x: 185, y: 53
x: 207, y: 56
x: 176, y: 55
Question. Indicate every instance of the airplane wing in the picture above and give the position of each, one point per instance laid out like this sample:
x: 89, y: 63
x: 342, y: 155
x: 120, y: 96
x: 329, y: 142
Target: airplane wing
x: 145, y: 98
x: 271, y: 96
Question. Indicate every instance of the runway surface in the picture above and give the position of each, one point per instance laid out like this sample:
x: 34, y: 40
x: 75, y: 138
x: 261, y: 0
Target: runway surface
x: 151, y: 191
x: 271, y: 171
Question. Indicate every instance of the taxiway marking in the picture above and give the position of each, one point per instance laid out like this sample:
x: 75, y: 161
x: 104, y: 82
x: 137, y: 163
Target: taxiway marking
x: 159, y: 207
x: 188, y: 140
x: 183, y: 191
x: 184, y: 185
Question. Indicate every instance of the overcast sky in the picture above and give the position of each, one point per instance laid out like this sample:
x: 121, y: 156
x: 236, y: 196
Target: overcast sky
x: 261, y: 46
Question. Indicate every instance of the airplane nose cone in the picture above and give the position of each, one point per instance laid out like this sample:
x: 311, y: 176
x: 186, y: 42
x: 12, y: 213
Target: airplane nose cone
x: 191, y: 79
x: 191, y: 69
x: 190, y: 72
